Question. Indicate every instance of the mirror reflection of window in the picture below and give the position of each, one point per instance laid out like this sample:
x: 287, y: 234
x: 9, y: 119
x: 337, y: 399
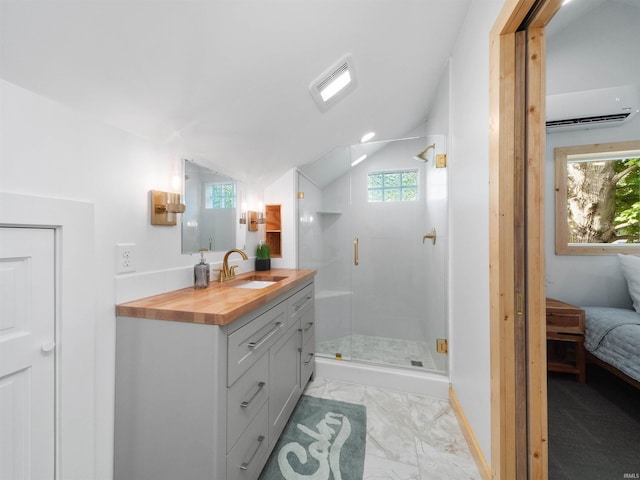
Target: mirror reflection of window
x: 598, y: 198
x: 210, y: 220
x: 220, y: 195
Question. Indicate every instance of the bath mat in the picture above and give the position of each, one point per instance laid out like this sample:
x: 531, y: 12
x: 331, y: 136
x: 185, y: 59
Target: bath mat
x: 324, y: 439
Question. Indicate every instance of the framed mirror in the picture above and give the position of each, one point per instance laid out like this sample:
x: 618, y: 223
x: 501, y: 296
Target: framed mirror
x: 598, y: 199
x: 210, y: 220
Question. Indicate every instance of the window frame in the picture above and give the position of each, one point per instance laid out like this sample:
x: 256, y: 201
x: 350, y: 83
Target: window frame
x: 562, y: 155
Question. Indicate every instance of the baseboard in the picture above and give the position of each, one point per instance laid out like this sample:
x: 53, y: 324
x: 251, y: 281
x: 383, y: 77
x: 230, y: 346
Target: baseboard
x: 476, y: 452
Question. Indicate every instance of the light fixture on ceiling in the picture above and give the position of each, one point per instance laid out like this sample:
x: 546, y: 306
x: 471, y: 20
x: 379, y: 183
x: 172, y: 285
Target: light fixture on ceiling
x: 334, y: 83
x: 367, y: 136
x: 358, y: 160
x: 422, y: 156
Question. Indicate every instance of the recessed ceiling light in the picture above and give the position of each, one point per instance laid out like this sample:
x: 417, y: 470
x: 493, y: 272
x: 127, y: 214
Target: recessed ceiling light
x: 367, y: 136
x: 334, y: 83
x: 358, y: 160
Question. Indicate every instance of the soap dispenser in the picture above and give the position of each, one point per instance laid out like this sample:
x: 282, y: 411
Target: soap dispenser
x: 201, y: 272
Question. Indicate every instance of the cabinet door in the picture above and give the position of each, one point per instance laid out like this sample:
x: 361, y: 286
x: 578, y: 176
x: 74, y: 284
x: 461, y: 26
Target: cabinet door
x: 245, y: 397
x: 307, y: 324
x: 284, y: 377
x: 308, y: 361
x: 248, y: 456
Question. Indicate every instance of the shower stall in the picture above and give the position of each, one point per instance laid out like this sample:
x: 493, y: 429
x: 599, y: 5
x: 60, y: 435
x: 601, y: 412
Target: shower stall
x: 372, y: 221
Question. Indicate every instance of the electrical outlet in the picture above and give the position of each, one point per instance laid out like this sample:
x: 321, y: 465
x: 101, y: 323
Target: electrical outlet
x: 125, y: 257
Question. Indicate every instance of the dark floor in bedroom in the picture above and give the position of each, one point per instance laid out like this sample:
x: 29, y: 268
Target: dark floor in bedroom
x: 594, y: 428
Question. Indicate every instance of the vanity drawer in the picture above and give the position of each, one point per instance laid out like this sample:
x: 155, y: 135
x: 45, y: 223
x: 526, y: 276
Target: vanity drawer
x: 307, y: 324
x: 307, y: 361
x: 300, y: 301
x: 249, y: 342
x: 248, y: 456
x: 245, y: 397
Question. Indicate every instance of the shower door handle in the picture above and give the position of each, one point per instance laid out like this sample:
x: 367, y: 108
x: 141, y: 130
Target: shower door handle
x: 355, y: 251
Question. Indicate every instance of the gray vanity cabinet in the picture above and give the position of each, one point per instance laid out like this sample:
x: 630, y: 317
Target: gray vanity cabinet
x: 200, y: 401
x: 284, y: 373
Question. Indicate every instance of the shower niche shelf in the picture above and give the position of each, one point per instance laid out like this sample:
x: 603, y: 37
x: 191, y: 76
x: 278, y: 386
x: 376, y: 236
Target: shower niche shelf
x: 273, y: 231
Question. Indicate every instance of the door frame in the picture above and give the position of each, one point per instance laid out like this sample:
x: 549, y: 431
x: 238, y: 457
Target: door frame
x: 507, y: 306
x: 75, y: 417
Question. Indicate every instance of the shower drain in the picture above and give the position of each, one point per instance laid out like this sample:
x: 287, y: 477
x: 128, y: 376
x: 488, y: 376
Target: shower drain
x: 416, y: 363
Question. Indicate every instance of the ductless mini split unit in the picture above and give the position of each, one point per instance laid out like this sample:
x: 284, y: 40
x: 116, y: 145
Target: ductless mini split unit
x: 604, y: 107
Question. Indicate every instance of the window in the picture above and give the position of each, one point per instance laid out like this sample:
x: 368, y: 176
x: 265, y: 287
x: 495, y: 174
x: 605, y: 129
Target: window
x: 220, y: 195
x: 396, y: 186
x: 598, y: 199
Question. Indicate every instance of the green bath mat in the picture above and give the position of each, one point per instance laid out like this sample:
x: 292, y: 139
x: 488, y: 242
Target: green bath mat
x: 324, y: 439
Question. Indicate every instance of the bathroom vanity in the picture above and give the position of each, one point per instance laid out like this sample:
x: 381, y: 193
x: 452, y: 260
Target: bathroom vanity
x: 207, y: 379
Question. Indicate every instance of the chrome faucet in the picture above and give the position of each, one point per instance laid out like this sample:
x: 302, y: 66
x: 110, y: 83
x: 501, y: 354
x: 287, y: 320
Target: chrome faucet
x: 228, y: 273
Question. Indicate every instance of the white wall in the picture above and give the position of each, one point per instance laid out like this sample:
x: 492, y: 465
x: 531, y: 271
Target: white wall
x: 469, y: 219
x: 599, y: 50
x: 49, y: 150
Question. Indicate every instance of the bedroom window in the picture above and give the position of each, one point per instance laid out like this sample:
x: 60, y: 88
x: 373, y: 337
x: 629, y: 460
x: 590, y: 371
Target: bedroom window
x: 393, y: 186
x: 220, y: 195
x: 598, y: 199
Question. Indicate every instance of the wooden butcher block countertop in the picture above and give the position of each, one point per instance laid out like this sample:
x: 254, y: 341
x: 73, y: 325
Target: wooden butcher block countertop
x: 218, y: 304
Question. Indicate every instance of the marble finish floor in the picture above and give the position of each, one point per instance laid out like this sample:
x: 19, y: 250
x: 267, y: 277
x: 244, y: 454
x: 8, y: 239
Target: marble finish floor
x: 409, y: 437
x: 389, y: 351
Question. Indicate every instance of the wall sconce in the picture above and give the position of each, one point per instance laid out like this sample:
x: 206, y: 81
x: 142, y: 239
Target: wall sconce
x: 252, y: 219
x: 164, y: 207
x: 261, y: 217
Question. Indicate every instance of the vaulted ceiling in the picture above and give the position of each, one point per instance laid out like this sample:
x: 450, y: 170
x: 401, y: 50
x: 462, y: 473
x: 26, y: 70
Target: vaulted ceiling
x: 227, y: 82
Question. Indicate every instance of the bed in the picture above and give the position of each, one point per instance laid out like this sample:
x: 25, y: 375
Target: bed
x: 612, y: 340
x: 612, y: 335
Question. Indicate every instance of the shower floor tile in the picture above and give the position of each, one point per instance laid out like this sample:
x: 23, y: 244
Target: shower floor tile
x: 389, y: 351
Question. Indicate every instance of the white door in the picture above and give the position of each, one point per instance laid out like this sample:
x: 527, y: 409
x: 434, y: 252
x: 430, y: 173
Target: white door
x: 27, y: 354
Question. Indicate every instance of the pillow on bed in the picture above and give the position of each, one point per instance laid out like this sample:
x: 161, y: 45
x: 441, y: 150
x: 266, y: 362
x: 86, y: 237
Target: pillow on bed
x: 631, y: 268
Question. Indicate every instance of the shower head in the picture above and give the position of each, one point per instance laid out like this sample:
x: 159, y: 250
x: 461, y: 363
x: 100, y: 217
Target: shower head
x: 422, y: 156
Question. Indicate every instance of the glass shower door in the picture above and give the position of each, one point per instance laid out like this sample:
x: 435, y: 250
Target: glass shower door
x: 397, y: 313
x: 380, y: 283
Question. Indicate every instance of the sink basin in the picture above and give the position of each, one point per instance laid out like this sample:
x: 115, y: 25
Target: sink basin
x: 263, y: 278
x: 257, y: 284
x: 256, y: 281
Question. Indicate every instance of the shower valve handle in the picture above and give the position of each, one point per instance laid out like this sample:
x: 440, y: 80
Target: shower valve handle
x: 431, y: 235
